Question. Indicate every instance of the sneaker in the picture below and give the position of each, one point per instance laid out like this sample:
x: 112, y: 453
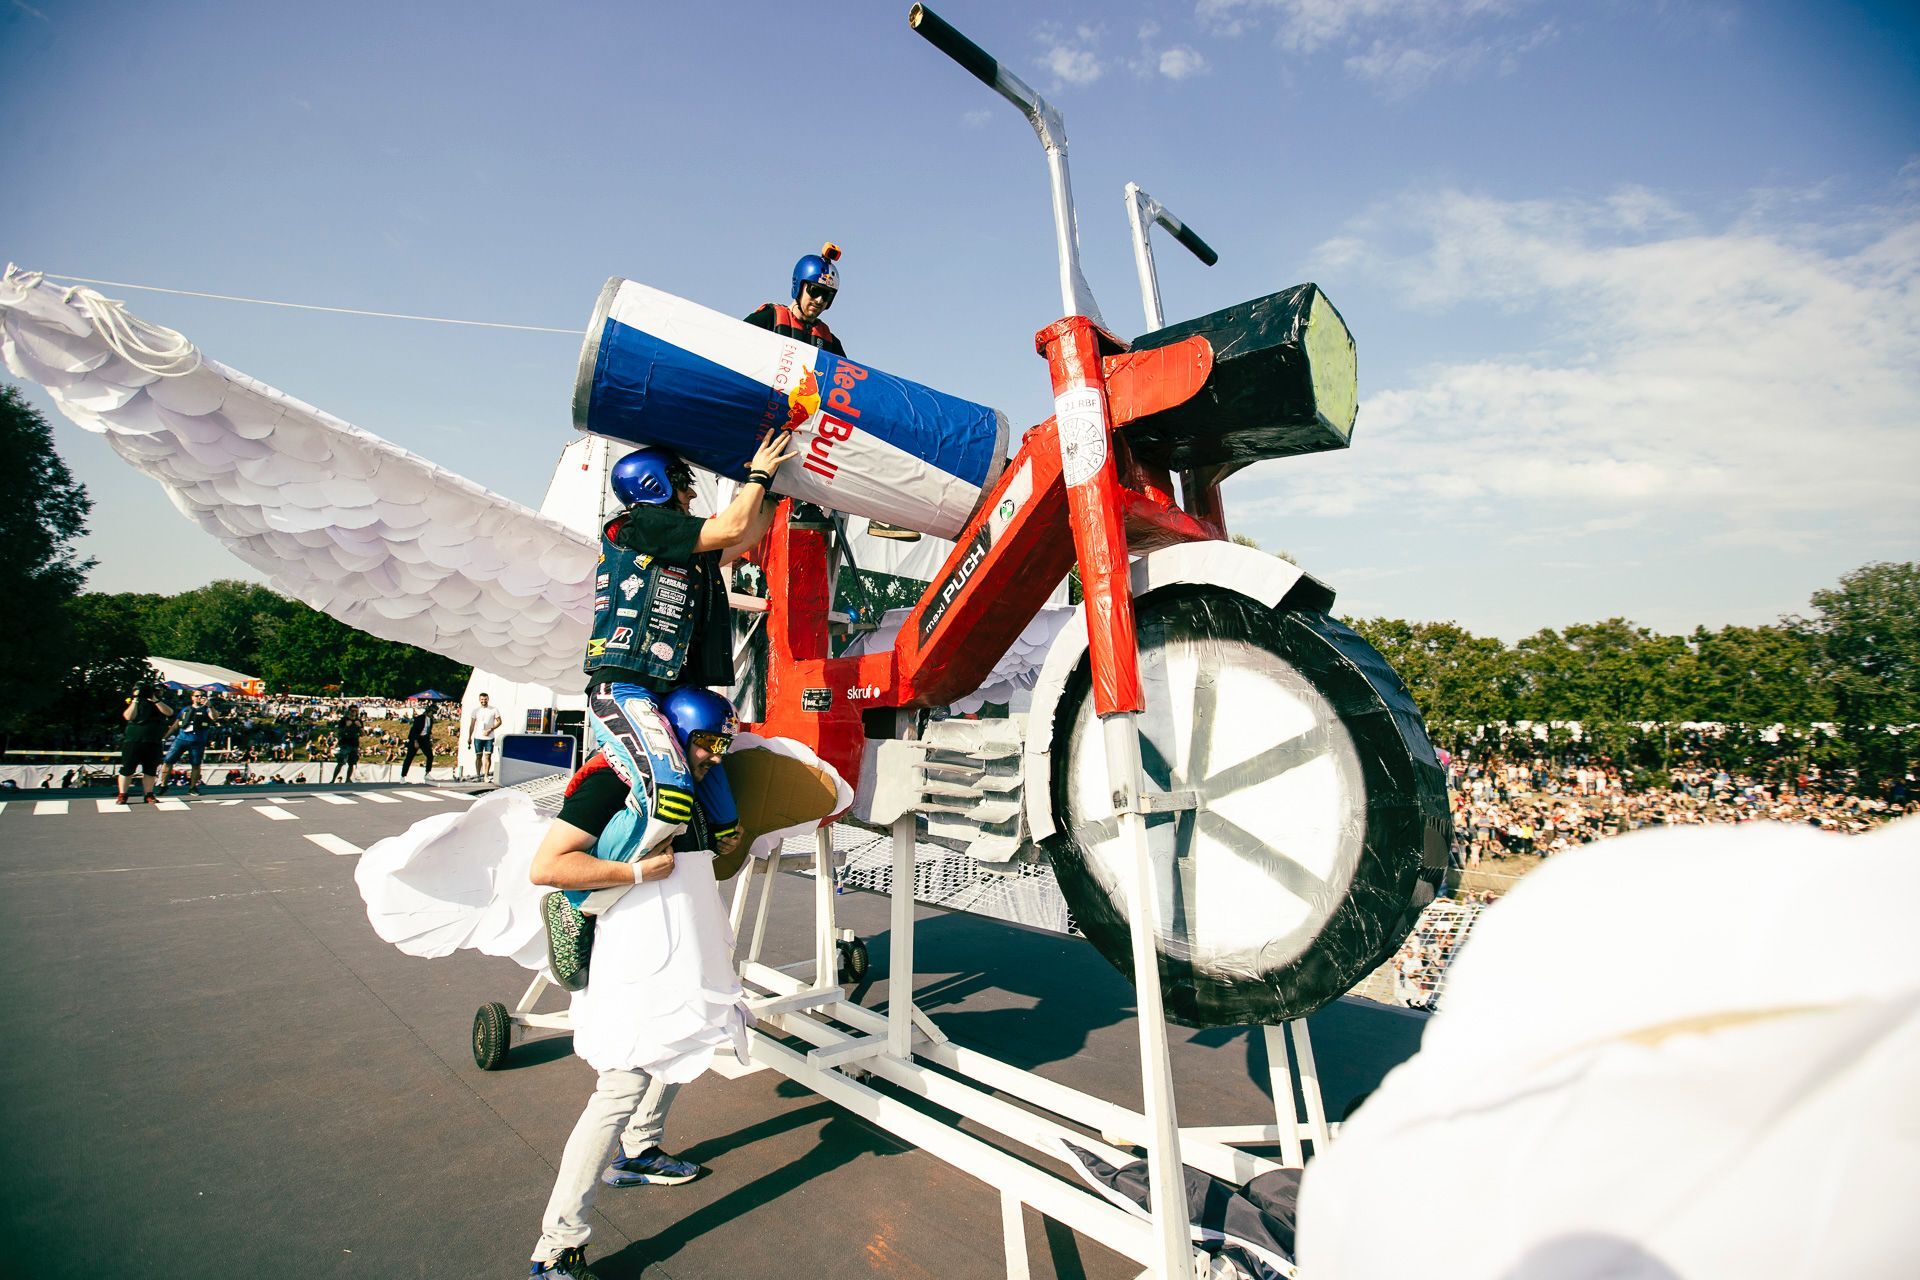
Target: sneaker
x: 193, y: 791
x: 571, y: 1262
x: 120, y: 799
x: 651, y: 1168
x: 569, y: 941
x: 152, y: 799
x: 880, y: 529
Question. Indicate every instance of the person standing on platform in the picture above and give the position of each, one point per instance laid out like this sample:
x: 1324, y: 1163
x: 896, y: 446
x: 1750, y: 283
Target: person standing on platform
x: 348, y: 753
x: 816, y: 282
x: 146, y: 719
x: 420, y: 738
x: 481, y: 726
x: 194, y: 731
x: 660, y: 623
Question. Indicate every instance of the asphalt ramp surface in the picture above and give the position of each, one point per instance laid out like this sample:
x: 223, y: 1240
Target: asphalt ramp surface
x: 214, y: 1067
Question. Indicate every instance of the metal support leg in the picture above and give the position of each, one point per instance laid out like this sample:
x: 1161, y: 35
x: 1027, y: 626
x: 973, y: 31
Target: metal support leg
x: 1013, y: 1230
x: 1286, y: 1118
x: 826, y: 971
x: 1166, y: 1180
x: 900, y: 943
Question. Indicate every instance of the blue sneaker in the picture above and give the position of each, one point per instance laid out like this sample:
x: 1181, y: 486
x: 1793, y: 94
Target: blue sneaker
x: 651, y: 1168
x: 572, y: 1263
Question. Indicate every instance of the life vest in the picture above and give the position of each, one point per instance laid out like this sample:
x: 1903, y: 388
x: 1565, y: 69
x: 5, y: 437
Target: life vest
x: 644, y: 610
x: 785, y: 322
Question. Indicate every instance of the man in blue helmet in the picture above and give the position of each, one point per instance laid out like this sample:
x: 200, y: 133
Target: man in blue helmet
x: 660, y: 622
x: 816, y: 279
x: 596, y: 844
x: 816, y: 282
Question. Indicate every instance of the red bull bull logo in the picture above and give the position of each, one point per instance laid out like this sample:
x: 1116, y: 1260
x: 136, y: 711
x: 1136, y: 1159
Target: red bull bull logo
x: 803, y: 401
x: 836, y: 421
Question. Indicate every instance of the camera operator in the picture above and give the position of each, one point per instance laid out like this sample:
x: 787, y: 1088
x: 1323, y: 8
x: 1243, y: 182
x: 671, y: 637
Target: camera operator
x: 146, y: 719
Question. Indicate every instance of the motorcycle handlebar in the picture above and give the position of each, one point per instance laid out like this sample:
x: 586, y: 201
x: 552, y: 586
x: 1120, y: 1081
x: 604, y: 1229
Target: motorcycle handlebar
x: 940, y: 33
x: 1199, y: 248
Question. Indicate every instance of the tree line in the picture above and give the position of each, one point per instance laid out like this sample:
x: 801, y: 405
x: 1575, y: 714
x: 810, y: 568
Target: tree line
x: 1852, y: 661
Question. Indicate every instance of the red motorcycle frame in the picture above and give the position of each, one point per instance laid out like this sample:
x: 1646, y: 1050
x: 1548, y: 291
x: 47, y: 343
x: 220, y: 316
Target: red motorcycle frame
x: 1008, y: 560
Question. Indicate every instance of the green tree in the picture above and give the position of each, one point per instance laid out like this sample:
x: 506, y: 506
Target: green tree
x: 1457, y: 678
x: 108, y: 656
x: 1754, y: 676
x: 1599, y: 672
x: 43, y: 509
x: 1867, y: 630
x: 305, y: 651
x: 222, y: 623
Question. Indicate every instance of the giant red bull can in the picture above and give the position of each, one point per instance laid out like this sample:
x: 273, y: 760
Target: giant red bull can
x: 659, y: 370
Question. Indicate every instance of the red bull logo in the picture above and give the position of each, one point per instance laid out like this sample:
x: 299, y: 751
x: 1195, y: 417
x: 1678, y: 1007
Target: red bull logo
x: 803, y: 401
x: 836, y: 420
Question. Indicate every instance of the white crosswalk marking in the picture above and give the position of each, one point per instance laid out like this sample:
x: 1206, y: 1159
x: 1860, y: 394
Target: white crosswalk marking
x: 334, y: 844
x: 415, y: 795
x: 49, y: 806
x: 273, y: 811
x: 327, y: 799
x: 105, y: 806
x: 374, y: 797
x: 171, y: 806
x: 457, y: 795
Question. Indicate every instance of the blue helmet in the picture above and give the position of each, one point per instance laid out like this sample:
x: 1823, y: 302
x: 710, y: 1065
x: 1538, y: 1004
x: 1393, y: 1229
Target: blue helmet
x: 818, y: 268
x: 696, y: 710
x: 648, y: 477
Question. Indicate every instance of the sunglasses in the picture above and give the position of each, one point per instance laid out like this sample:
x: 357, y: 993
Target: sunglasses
x: 714, y: 744
x: 821, y: 292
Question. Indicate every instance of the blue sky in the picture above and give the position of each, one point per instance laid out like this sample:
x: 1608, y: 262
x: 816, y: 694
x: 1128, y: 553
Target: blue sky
x: 1636, y: 286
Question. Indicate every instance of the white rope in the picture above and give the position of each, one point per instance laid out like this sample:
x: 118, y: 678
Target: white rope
x: 307, y: 306
x: 151, y: 347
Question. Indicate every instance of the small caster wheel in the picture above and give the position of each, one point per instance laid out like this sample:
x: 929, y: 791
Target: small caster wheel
x: 854, y: 961
x: 492, y: 1036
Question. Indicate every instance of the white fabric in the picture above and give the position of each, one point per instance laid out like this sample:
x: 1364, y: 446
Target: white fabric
x: 459, y: 880
x: 1688, y: 1052
x: 662, y: 996
x: 344, y: 521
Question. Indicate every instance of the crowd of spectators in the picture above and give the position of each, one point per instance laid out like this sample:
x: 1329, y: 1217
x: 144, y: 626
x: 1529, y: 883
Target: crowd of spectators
x: 289, y: 729
x: 1534, y: 808
x: 1511, y: 807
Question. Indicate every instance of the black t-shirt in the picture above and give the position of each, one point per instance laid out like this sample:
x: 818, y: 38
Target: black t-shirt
x: 149, y: 723
x: 596, y: 794
x: 422, y: 728
x: 671, y: 535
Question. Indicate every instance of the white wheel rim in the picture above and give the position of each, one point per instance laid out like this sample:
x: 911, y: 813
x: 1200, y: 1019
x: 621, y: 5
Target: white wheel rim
x: 1247, y: 882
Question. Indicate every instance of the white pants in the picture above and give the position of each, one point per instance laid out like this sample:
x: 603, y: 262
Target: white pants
x: 632, y: 1099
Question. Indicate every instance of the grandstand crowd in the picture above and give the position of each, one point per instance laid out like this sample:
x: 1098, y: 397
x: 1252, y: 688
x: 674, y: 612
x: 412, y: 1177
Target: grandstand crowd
x: 1534, y: 808
x: 1511, y: 807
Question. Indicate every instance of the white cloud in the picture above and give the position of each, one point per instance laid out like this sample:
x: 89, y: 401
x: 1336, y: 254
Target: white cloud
x: 977, y: 118
x: 1071, y: 57
x: 1398, y: 46
x: 1755, y: 380
x: 1180, y: 62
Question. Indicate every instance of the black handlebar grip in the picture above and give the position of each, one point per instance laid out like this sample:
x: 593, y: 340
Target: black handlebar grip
x: 1201, y: 249
x: 941, y: 35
